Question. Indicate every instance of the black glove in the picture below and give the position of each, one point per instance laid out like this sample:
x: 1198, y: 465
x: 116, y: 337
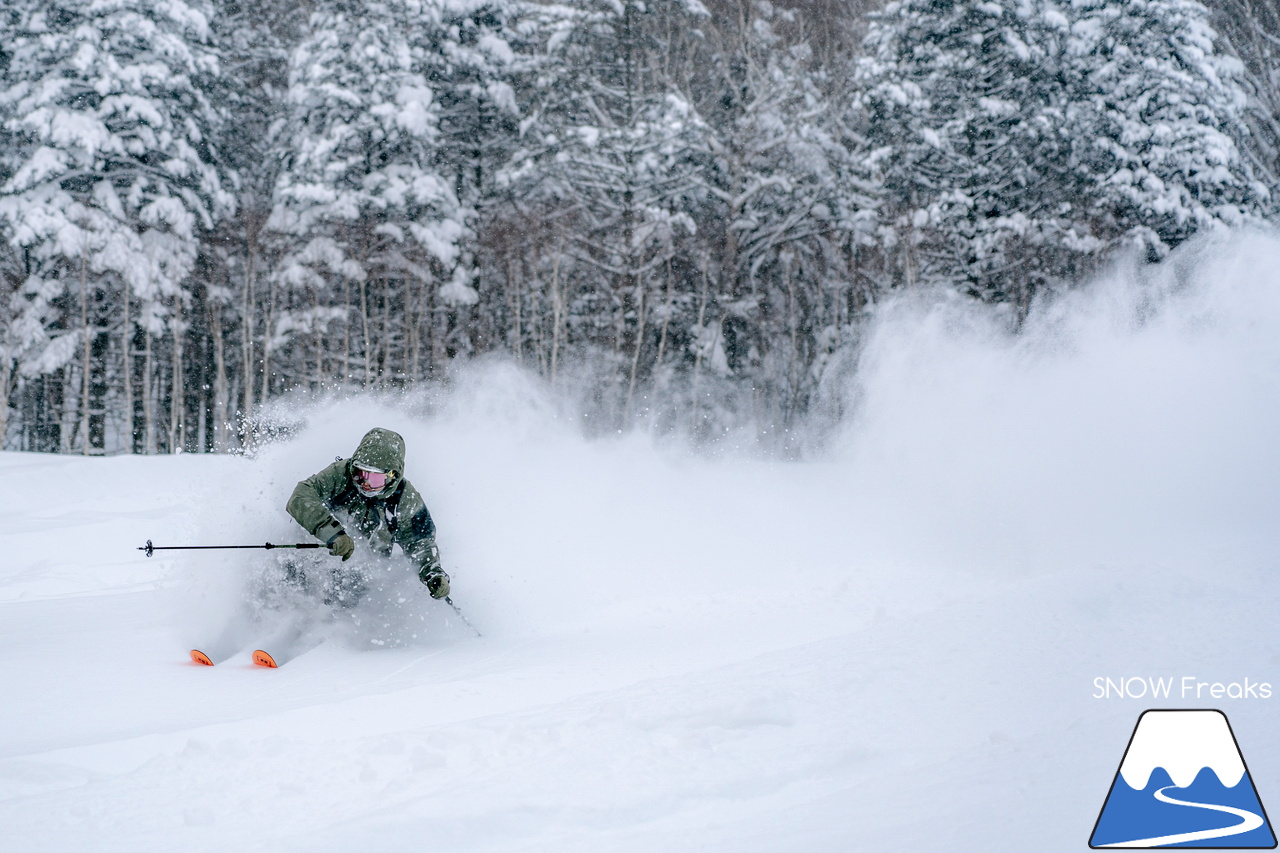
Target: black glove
x: 342, y: 546
x: 436, y: 580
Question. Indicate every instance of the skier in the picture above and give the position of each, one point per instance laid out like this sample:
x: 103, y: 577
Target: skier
x: 370, y: 493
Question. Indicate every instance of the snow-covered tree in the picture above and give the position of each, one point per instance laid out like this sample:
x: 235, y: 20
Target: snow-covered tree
x: 365, y: 210
x: 611, y: 145
x: 962, y: 118
x: 253, y: 40
x: 12, y: 264
x: 1251, y: 28
x: 474, y: 52
x: 1018, y: 140
x: 111, y: 178
x: 689, y: 202
x: 1155, y: 107
x: 478, y: 54
x: 782, y: 190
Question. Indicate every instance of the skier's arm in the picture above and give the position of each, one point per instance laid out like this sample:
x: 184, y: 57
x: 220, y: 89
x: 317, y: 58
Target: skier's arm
x: 416, y: 532
x: 309, y: 504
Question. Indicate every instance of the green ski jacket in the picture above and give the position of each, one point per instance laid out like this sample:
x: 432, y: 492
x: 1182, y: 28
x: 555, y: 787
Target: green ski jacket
x: 328, y: 503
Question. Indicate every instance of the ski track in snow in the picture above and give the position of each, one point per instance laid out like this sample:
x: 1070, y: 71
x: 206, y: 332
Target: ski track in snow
x: 891, y: 648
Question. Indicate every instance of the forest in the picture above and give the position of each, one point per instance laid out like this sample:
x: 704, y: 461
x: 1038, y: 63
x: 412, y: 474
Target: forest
x: 685, y: 212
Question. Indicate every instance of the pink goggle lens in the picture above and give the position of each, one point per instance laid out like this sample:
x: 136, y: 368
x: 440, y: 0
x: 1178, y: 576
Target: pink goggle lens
x: 371, y: 480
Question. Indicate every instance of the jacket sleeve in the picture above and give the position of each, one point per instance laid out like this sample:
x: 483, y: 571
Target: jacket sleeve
x: 415, y: 531
x: 309, y: 505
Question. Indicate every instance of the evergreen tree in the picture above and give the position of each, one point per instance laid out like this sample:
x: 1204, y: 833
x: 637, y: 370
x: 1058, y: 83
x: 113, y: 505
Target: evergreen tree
x: 688, y: 208
x: 964, y: 125
x: 254, y: 41
x: 368, y: 217
x: 1154, y: 108
x: 782, y: 187
x: 477, y: 54
x: 111, y: 178
x: 1251, y: 29
x: 1018, y: 140
x: 611, y: 146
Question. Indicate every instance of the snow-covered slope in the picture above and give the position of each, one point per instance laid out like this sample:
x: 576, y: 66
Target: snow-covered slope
x: 891, y: 647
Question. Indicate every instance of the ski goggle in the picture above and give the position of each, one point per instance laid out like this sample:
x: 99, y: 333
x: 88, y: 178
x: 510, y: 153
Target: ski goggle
x: 371, y: 479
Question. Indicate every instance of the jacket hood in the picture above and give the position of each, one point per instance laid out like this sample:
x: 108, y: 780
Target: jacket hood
x: 382, y: 449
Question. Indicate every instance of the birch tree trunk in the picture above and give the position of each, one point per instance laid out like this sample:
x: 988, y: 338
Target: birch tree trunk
x: 346, y: 335
x: 246, y: 327
x: 126, y: 350
x: 177, y: 407
x: 364, y: 330
x: 517, y: 313
x: 317, y: 340
x: 697, y: 356
x: 666, y: 321
x: 793, y: 365
x: 6, y: 378
x: 86, y: 355
x: 266, y: 342
x: 66, y: 417
x: 221, y: 393
x: 385, y: 374
x: 557, y: 308
x: 148, y: 398
x: 413, y: 318
x: 635, y: 359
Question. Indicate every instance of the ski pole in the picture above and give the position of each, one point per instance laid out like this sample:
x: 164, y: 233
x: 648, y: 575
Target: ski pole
x: 151, y: 549
x: 466, y: 621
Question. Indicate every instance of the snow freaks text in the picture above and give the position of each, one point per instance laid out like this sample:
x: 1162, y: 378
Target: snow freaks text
x: 1186, y: 687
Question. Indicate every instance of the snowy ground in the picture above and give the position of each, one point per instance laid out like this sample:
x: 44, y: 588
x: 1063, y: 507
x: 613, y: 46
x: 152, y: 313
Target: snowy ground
x: 892, y: 647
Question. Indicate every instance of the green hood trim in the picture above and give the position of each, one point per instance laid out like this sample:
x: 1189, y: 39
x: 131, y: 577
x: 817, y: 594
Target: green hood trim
x: 382, y: 449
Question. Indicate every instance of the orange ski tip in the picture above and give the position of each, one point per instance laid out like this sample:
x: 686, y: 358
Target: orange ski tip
x: 200, y: 657
x: 261, y: 658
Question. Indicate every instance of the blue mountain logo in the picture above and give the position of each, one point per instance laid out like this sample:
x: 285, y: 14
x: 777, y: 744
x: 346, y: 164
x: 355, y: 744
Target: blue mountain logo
x: 1183, y: 783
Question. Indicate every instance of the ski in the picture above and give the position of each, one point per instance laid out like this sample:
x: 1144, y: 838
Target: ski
x: 260, y: 657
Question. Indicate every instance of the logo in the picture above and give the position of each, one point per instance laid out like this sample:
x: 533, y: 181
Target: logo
x: 1183, y: 783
